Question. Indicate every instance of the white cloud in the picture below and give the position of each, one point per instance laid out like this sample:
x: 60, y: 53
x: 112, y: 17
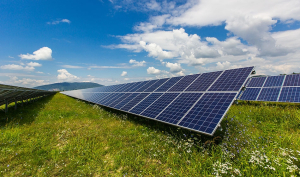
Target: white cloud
x: 10, y: 57
x: 174, y: 67
x: 156, y: 51
x: 152, y: 70
x: 34, y: 64
x: 65, y: 75
x: 124, y: 73
x: 107, y: 67
x: 17, y: 67
x: 137, y: 63
x: 25, y: 82
x: 39, y: 72
x: 59, y: 21
x: 43, y: 53
x: 72, y: 66
x: 29, y: 66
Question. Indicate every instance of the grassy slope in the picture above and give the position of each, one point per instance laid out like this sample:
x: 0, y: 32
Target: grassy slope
x: 61, y: 136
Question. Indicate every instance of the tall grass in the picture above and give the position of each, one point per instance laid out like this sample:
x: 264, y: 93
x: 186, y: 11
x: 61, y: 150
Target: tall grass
x: 61, y: 136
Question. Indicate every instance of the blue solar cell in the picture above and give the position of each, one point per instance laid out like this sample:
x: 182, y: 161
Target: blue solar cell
x: 134, y: 101
x: 274, y: 81
x: 269, y: 94
x: 290, y: 94
x: 101, y: 97
x: 116, y: 88
x: 144, y: 87
x: 167, y: 85
x: 231, y: 80
x: 119, y: 99
x: 113, y: 97
x: 183, y: 83
x: 137, y: 86
x: 160, y: 104
x: 250, y: 94
x: 107, y: 97
x: 204, y: 81
x: 126, y: 100
x: 257, y: 82
x: 208, y: 112
x: 292, y: 80
x: 95, y: 96
x: 130, y: 86
x: 178, y: 108
x: 121, y: 88
x: 156, y: 85
x: 145, y: 103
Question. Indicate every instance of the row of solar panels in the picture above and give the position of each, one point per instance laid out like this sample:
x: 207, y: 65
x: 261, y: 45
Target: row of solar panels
x: 196, y: 102
x: 285, y: 88
x: 9, y: 94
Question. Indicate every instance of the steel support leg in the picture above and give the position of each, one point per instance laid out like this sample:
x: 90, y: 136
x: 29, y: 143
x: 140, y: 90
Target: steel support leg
x: 6, y: 106
x: 16, y: 104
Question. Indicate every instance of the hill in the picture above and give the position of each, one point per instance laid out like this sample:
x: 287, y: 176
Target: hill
x: 61, y: 136
x: 64, y: 86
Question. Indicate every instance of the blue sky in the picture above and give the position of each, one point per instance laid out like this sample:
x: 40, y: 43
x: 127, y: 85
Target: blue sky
x: 112, y: 41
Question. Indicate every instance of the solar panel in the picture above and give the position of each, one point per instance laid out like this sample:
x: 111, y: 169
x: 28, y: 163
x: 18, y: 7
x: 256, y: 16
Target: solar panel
x: 145, y: 103
x: 126, y: 100
x: 178, y: 108
x: 144, y: 87
x: 204, y: 81
x: 231, y: 80
x: 256, y: 82
x: 290, y: 94
x: 196, y: 102
x: 160, y: 104
x: 274, y: 81
x: 167, y: 85
x: 134, y: 101
x: 208, y: 112
x: 283, y: 88
x: 250, y: 94
x: 292, y: 80
x: 183, y: 83
x: 156, y: 85
x: 269, y: 94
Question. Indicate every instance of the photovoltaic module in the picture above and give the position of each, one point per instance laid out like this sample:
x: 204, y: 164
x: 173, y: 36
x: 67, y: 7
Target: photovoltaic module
x: 285, y: 88
x: 196, y: 102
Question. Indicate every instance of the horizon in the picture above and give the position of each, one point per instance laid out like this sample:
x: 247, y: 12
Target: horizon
x: 113, y: 42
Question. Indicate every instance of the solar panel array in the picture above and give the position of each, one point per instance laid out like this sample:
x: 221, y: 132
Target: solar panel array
x: 285, y: 88
x: 196, y: 102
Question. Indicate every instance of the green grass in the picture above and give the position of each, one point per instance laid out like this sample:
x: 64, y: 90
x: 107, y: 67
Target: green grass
x: 61, y: 136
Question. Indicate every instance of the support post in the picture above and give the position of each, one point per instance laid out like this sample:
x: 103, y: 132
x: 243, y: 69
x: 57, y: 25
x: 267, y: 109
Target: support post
x: 16, y: 104
x: 6, y: 106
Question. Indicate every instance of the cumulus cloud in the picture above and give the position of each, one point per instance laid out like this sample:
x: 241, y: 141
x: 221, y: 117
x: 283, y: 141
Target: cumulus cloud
x: 156, y: 51
x: 34, y: 64
x: 64, y: 75
x: 250, y: 38
x: 124, y: 73
x: 44, y: 53
x: 174, y: 67
x: 152, y: 70
x: 59, y: 21
x: 137, y: 63
x: 25, y: 67
x: 72, y: 66
x: 26, y: 82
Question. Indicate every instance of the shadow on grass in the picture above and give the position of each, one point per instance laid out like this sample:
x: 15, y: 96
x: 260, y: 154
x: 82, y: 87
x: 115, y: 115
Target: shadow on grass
x: 25, y: 114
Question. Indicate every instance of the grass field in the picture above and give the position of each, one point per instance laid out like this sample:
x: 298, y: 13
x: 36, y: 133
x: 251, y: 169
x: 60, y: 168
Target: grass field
x: 61, y: 136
